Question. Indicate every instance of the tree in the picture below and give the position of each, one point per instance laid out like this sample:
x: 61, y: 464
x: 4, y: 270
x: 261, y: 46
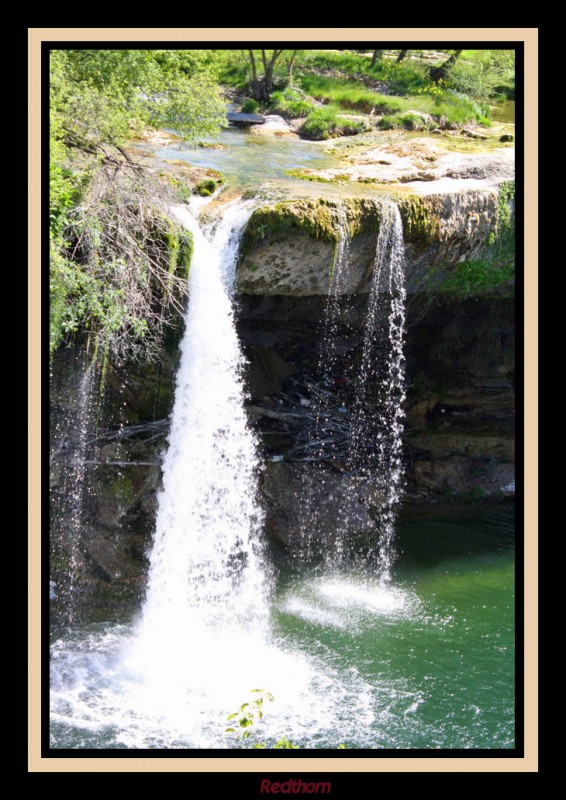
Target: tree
x: 290, y: 66
x: 377, y: 56
x: 441, y: 73
x: 401, y: 56
x: 262, y: 85
x: 113, y: 251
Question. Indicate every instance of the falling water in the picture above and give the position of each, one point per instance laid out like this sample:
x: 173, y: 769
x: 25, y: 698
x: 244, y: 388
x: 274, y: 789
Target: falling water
x: 378, y: 413
x: 327, y: 355
x: 205, y: 566
x: 320, y: 438
x: 169, y: 679
x: 74, y: 432
x: 204, y: 639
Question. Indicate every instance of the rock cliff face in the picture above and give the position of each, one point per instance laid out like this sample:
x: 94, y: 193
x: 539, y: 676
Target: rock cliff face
x: 459, y: 431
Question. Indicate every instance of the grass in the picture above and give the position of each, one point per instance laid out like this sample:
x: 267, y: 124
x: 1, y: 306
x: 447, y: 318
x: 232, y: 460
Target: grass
x: 408, y: 120
x: 348, y: 94
x: 349, y: 83
x: 442, y: 103
x: 250, y: 106
x: 291, y: 104
x: 324, y: 123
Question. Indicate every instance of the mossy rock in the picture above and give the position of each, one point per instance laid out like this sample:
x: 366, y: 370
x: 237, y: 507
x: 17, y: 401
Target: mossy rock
x: 419, y: 223
x: 318, y: 219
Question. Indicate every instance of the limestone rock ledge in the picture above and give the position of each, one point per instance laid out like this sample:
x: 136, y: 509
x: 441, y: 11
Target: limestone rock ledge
x: 290, y: 248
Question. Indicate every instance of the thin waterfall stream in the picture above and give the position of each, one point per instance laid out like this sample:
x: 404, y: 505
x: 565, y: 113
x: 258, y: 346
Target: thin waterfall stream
x: 382, y: 374
x: 375, y: 417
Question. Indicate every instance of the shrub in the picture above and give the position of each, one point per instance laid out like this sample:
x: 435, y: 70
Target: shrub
x: 205, y: 188
x: 250, y: 106
x: 291, y: 103
x: 324, y: 122
x: 321, y: 123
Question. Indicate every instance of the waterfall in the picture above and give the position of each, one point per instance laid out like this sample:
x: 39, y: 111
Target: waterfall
x: 319, y: 438
x: 378, y: 413
x: 74, y: 433
x: 206, y: 566
x: 204, y: 637
x: 371, y: 427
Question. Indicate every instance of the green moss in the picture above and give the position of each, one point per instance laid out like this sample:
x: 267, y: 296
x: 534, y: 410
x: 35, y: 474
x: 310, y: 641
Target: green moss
x: 494, y: 270
x: 320, y: 219
x: 420, y: 225
x: 179, y: 244
x: 504, y: 225
x: 205, y: 187
x: 184, y: 253
x: 122, y: 489
x: 272, y: 223
x: 363, y: 216
x: 305, y: 175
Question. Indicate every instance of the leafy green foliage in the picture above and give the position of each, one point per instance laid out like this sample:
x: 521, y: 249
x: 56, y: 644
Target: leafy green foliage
x: 291, y: 103
x: 249, y: 714
x: 110, y: 241
x: 282, y: 744
x: 104, y: 95
x: 485, y: 74
x: 250, y: 106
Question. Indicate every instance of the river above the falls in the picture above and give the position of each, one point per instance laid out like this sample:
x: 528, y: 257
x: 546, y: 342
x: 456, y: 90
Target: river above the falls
x: 252, y: 160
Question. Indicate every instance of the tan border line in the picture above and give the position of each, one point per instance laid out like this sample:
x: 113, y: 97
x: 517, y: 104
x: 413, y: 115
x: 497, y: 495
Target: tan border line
x: 299, y: 765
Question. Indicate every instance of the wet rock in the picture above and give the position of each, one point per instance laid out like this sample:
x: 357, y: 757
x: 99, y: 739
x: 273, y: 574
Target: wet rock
x: 473, y: 134
x: 507, y: 137
x: 456, y: 478
x: 309, y: 507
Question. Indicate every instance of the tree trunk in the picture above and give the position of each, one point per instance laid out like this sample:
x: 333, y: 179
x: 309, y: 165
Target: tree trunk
x: 401, y: 56
x: 261, y: 88
x: 269, y: 70
x: 440, y: 73
x: 377, y: 56
x: 254, y: 68
x: 290, y: 66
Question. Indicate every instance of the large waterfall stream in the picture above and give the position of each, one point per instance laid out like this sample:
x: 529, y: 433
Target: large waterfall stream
x: 206, y: 566
x: 349, y: 658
